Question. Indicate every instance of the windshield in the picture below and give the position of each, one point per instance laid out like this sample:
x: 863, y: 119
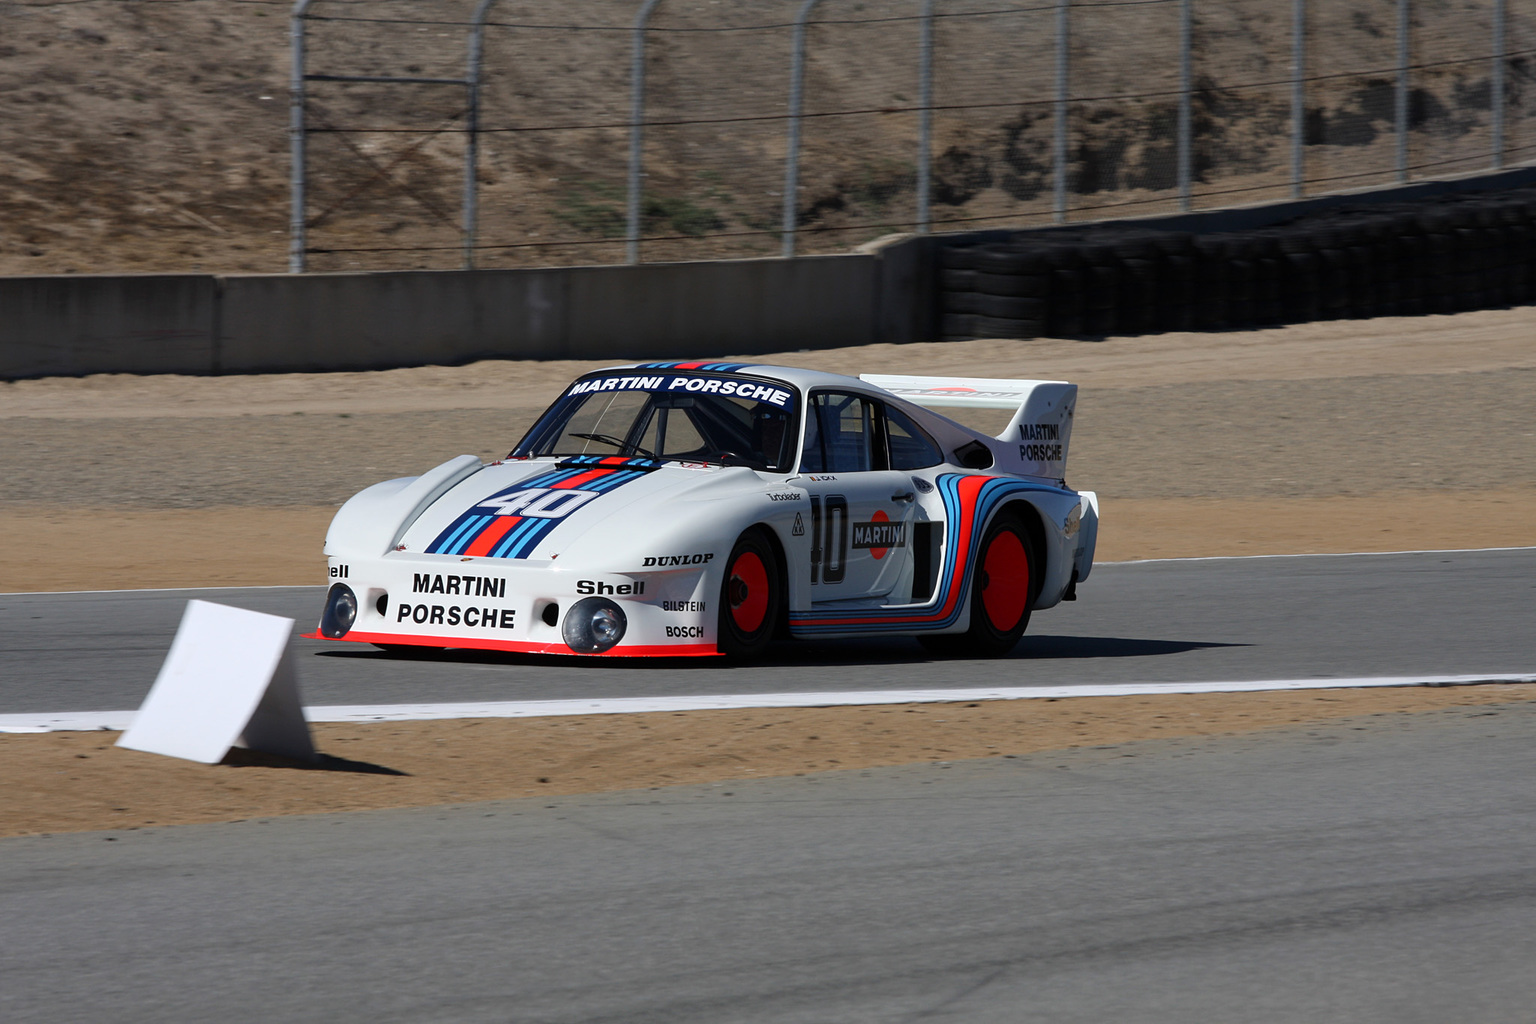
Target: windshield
x: 730, y: 420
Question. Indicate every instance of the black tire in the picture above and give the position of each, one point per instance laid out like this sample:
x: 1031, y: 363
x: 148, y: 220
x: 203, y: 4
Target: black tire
x: 961, y: 302
x: 1006, y: 327
x: 996, y: 626
x: 1029, y: 285
x: 1008, y: 307
x: 957, y: 327
x: 957, y: 280
x: 957, y: 257
x: 1005, y: 259
x: 751, y: 598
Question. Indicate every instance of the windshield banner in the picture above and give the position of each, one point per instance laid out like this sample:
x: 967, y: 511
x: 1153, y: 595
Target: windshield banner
x: 750, y: 390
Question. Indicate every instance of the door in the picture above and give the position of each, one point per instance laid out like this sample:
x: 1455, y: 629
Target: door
x: 861, y: 510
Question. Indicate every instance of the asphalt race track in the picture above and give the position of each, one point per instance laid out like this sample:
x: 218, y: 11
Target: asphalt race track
x: 1377, y: 874
x: 1339, y: 616
x: 1372, y: 870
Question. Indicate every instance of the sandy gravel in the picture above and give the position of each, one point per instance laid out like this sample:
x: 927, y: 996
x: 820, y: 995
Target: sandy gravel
x: 1350, y: 435
x: 63, y: 782
x: 1496, y: 339
x: 1374, y: 435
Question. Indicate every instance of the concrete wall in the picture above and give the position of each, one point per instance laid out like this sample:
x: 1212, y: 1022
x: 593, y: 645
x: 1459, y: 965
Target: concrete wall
x: 262, y: 323
x: 259, y: 323
x: 74, y: 325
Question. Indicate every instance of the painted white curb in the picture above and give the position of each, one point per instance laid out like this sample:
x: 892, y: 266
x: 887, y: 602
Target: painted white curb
x: 77, y: 721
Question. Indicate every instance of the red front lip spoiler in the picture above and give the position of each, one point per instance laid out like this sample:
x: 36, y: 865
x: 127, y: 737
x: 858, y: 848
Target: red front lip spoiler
x: 522, y: 646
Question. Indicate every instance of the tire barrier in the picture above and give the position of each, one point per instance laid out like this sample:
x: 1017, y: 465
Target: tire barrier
x: 1443, y: 255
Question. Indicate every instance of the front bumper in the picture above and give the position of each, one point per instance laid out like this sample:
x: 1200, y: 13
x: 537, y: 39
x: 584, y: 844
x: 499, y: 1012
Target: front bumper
x: 485, y: 604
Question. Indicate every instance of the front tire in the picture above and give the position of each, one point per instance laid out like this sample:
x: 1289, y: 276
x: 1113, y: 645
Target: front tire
x: 1002, y: 590
x: 751, y: 598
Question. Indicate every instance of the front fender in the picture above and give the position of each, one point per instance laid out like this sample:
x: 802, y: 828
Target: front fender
x: 684, y: 532
x: 374, y: 519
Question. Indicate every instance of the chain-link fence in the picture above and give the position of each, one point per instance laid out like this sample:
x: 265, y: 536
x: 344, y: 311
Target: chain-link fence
x: 497, y: 133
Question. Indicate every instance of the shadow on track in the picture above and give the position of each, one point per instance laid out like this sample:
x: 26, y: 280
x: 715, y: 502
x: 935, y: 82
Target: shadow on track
x: 239, y: 757
x: 804, y: 653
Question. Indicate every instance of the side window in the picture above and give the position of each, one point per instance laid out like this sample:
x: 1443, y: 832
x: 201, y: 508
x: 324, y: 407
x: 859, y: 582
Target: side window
x: 839, y: 434
x: 910, y: 447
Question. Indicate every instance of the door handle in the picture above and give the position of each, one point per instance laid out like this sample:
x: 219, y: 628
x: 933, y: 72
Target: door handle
x: 908, y: 496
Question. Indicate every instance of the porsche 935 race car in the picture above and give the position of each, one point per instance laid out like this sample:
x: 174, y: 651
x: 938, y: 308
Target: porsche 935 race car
x: 700, y: 508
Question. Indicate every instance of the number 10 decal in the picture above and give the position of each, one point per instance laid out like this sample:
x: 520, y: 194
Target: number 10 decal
x: 828, y: 560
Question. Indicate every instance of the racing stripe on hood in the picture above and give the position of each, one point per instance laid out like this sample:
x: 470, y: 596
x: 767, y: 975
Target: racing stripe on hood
x: 512, y: 522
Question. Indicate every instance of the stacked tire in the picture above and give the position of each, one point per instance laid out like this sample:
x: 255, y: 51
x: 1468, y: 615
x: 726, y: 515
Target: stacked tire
x: 993, y: 291
x: 1442, y: 256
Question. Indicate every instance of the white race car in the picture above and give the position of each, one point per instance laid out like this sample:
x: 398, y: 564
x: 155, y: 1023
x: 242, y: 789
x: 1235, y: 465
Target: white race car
x: 694, y: 508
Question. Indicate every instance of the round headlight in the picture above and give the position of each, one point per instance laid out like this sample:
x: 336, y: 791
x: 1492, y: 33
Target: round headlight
x: 340, y: 612
x: 593, y: 625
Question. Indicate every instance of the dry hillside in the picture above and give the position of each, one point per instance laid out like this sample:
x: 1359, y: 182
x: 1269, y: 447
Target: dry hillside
x: 151, y: 135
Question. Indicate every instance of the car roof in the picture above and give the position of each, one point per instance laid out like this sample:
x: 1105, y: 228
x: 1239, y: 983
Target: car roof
x: 798, y: 376
x: 948, y: 431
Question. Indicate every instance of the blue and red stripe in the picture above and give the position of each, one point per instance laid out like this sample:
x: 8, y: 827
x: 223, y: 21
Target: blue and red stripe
x: 698, y: 365
x: 482, y: 532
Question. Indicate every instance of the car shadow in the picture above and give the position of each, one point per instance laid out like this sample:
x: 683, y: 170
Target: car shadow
x: 802, y: 653
x: 1045, y: 646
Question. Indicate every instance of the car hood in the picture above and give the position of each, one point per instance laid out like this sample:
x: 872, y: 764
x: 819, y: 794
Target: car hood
x: 539, y: 509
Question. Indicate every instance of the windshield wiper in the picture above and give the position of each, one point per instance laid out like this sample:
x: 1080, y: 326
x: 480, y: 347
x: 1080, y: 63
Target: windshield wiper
x: 616, y: 442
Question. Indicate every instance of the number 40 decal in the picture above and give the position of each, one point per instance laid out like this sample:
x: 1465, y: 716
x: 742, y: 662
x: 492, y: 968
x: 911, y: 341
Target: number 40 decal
x: 829, y: 560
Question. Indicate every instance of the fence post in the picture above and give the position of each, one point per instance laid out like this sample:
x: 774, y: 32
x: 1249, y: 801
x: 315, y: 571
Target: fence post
x: 1298, y: 95
x: 1402, y: 90
x: 296, y: 139
x: 472, y: 140
x: 1059, y: 143
x: 636, y: 133
x: 1499, y: 21
x: 924, y: 115
x: 1186, y: 130
x: 792, y: 145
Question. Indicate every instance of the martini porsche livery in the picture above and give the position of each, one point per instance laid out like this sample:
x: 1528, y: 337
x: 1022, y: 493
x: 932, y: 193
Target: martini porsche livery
x: 700, y: 508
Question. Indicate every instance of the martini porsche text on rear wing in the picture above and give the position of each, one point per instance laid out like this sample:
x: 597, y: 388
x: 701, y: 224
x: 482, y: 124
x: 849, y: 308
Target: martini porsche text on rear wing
x: 1036, y: 438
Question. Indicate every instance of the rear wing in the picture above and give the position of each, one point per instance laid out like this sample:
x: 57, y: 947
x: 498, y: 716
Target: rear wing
x: 1035, y: 440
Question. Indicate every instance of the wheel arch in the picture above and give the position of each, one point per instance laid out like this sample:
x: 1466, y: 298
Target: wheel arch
x: 776, y: 545
x: 1034, y: 529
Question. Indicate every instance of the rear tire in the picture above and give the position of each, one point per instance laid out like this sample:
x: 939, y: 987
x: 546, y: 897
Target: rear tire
x: 751, y: 598
x: 1002, y: 591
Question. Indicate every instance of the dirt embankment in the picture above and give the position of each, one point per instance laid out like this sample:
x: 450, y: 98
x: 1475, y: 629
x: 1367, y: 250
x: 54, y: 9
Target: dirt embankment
x: 154, y: 136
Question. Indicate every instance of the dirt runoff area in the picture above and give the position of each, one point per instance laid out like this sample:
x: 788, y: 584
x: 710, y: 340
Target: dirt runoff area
x: 1374, y: 435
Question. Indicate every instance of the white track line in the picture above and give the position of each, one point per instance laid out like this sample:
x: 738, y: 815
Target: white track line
x: 84, y: 721
x: 1315, y: 554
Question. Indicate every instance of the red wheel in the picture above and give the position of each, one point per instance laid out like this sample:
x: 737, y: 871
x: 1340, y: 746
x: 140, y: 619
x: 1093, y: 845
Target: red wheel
x: 750, y: 597
x: 1002, y: 587
x: 746, y: 592
x: 1004, y: 581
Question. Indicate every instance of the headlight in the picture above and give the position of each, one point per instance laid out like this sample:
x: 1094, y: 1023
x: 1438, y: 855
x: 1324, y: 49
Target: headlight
x: 340, y: 612
x: 593, y: 625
